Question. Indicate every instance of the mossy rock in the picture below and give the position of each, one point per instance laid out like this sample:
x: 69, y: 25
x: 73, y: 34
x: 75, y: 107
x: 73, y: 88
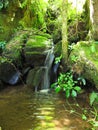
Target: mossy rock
x: 35, y: 49
x: 84, y: 60
x: 13, y: 49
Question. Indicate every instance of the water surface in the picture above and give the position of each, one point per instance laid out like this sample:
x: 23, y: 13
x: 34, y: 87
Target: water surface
x: 22, y: 109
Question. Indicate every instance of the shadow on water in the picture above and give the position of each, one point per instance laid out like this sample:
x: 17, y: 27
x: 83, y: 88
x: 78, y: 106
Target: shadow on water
x: 22, y: 109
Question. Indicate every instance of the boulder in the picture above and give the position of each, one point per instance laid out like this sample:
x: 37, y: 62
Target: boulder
x: 83, y: 60
x: 34, y: 78
x: 35, y: 50
x: 8, y: 72
x: 25, y: 51
x: 28, y: 47
x: 13, y: 49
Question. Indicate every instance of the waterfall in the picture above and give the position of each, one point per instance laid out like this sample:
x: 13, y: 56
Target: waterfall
x: 47, y: 69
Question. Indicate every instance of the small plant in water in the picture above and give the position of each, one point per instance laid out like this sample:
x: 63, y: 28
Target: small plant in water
x: 66, y: 83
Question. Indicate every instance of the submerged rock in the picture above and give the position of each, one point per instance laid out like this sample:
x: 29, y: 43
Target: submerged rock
x: 83, y: 60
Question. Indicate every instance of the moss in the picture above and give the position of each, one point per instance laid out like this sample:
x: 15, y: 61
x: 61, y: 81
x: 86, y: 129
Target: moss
x: 34, y: 53
x: 87, y: 55
x: 38, y: 41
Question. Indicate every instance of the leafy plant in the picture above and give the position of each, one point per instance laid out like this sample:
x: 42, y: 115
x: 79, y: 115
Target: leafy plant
x: 74, y: 58
x: 2, y: 46
x: 93, y: 97
x: 66, y: 83
x: 93, y: 49
x: 84, y: 117
x: 58, y: 59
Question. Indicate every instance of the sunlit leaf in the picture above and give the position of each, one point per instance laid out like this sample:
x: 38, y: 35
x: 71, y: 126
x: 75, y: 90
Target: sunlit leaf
x: 67, y: 93
x: 77, y: 88
x: 74, y: 93
x: 53, y: 85
x: 95, y: 124
x: 93, y: 97
x: 93, y: 49
x: 84, y: 81
x: 58, y: 89
x: 84, y: 117
x: 72, y: 111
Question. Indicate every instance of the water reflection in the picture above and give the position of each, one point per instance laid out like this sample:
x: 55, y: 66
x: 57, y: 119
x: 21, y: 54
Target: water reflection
x: 21, y: 109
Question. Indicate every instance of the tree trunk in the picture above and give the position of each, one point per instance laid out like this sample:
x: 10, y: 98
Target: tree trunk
x: 64, y: 33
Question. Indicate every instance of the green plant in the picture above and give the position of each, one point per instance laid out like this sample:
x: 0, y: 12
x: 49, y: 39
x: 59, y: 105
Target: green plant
x: 4, y: 4
x: 93, y: 48
x: 93, y: 97
x: 66, y: 83
x: 74, y: 58
x: 2, y: 46
x: 58, y: 59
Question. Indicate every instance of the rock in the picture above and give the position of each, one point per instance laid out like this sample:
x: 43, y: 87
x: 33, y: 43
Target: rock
x: 27, y: 47
x: 1, y: 85
x: 34, y: 78
x: 14, y: 48
x: 8, y: 72
x: 83, y: 61
x: 35, y: 50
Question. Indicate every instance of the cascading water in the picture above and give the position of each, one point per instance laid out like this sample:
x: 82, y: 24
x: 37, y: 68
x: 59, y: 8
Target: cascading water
x: 47, y: 69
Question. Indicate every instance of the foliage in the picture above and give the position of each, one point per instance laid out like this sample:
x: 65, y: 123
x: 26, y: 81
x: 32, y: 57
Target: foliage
x: 93, y: 48
x: 2, y: 46
x: 74, y: 58
x: 58, y: 59
x: 66, y: 83
x: 4, y: 59
x: 4, y: 4
x: 34, y: 14
x: 93, y: 97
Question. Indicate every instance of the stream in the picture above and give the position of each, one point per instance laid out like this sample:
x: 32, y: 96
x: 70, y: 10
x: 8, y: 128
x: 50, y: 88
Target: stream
x: 23, y: 109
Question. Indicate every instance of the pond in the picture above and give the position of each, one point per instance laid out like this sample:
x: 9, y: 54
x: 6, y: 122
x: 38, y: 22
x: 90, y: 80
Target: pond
x: 23, y: 109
